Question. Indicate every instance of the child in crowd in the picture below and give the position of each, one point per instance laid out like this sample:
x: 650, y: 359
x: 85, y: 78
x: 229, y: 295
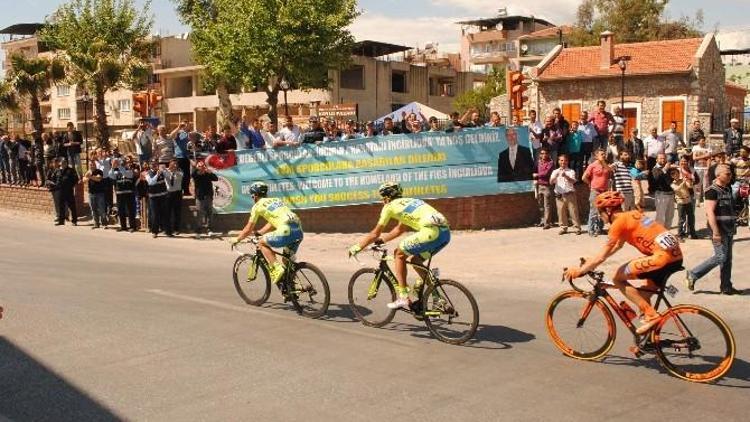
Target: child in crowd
x: 639, y: 174
x: 683, y: 196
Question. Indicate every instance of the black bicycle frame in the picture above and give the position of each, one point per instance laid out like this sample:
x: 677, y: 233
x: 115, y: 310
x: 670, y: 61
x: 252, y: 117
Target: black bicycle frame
x: 603, y: 293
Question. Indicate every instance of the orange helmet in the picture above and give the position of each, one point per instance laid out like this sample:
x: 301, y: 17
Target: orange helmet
x: 609, y: 199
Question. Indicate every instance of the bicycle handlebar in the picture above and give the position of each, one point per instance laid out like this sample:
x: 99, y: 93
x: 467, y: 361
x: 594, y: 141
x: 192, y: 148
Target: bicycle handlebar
x: 597, y: 276
x: 254, y: 240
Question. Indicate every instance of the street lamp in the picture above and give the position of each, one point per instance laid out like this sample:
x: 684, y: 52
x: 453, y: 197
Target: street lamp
x: 285, y: 87
x: 86, y: 98
x: 623, y: 63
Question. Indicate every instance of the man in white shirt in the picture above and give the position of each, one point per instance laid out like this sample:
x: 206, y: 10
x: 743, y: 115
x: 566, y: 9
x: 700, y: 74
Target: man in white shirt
x: 143, y: 139
x: 701, y: 156
x: 269, y: 134
x: 535, y: 133
x: 564, y: 179
x: 653, y: 145
x: 672, y: 142
x: 289, y: 134
x: 588, y: 130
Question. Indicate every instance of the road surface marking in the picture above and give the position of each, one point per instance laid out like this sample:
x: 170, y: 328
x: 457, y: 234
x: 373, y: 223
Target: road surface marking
x: 298, y: 319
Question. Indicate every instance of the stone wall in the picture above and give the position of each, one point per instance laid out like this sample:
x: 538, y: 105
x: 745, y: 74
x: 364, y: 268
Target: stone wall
x: 34, y: 200
x: 480, y: 212
x: 643, y: 90
x: 709, y: 92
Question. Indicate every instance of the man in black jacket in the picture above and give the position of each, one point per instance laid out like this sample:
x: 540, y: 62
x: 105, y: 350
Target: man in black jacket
x: 733, y: 138
x: 515, y: 163
x: 61, y: 182
x: 203, y: 179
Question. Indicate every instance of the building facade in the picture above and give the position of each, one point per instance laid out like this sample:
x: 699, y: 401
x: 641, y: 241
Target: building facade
x: 514, y: 42
x: 64, y: 102
x: 377, y: 83
x: 664, y: 81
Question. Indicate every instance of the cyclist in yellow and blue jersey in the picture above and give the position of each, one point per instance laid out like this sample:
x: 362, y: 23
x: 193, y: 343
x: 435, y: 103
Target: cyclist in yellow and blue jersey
x: 283, y: 228
x: 432, y: 234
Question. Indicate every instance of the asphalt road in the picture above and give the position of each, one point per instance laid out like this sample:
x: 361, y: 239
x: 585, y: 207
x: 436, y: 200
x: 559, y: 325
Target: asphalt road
x: 110, y: 326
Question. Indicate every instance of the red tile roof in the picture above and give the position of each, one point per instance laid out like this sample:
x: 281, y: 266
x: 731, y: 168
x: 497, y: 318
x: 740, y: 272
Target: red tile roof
x: 735, y: 86
x: 646, y: 58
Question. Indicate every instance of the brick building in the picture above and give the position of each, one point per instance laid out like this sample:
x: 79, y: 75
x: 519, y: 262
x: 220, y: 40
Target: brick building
x: 665, y: 80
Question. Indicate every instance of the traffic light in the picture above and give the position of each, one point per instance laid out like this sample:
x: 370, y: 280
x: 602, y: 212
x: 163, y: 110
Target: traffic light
x: 516, y: 90
x: 140, y: 104
x: 153, y: 100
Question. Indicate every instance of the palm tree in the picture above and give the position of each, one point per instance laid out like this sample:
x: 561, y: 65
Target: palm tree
x: 31, y: 78
x: 8, y: 101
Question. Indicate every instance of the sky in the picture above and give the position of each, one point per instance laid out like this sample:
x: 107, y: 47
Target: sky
x: 417, y: 22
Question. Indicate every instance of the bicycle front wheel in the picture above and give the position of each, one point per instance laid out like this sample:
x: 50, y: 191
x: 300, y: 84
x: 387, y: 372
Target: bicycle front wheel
x: 580, y: 327
x: 309, y: 291
x: 252, y: 284
x: 369, y: 293
x: 450, y: 312
x: 694, y: 344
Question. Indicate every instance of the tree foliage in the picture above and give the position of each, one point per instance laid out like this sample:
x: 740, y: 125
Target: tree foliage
x: 8, y: 97
x: 31, y: 78
x: 631, y: 21
x: 257, y: 43
x: 478, y: 98
x: 105, y: 45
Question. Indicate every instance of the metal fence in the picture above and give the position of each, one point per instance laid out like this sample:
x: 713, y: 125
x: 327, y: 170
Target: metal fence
x: 719, y: 122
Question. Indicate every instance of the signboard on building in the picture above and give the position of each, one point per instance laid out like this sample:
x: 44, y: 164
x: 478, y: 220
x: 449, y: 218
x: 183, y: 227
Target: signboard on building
x: 338, y: 112
x: 428, y: 165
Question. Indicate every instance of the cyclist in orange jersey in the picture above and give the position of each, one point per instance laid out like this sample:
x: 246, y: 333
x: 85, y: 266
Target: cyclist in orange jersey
x: 662, y: 250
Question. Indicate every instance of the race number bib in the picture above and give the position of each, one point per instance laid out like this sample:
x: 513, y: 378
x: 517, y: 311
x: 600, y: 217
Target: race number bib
x: 667, y: 241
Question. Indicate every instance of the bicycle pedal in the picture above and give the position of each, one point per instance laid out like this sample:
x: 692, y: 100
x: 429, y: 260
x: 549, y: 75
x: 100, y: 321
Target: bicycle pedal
x: 636, y: 351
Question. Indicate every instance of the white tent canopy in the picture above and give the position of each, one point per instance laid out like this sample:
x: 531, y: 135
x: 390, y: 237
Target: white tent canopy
x: 417, y: 108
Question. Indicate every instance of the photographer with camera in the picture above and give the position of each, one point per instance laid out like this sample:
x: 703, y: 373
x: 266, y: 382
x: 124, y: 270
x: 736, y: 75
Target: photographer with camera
x: 174, y: 177
x: 125, y: 191
x: 157, y: 199
x: 143, y: 139
x: 61, y: 182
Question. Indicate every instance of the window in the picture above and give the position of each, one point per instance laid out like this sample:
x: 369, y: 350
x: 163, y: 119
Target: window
x: 571, y: 111
x: 398, y: 82
x: 352, y: 78
x: 63, y: 113
x: 442, y: 87
x: 63, y: 90
x: 123, y: 105
x: 673, y: 110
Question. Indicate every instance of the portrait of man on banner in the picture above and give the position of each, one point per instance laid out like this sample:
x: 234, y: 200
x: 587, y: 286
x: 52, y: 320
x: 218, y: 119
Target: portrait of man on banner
x: 515, y: 163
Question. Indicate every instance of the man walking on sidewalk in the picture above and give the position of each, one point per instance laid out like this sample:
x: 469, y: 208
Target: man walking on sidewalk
x: 721, y: 219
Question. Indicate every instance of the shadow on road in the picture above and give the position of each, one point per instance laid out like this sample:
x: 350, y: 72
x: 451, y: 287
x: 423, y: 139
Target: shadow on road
x: 30, y: 391
x: 737, y: 377
x: 340, y: 313
x: 493, y: 337
x: 744, y: 292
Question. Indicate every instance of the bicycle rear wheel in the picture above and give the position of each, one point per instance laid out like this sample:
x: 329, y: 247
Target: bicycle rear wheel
x: 309, y: 291
x: 254, y: 291
x: 579, y: 327
x: 450, y: 311
x: 369, y: 293
x: 694, y: 344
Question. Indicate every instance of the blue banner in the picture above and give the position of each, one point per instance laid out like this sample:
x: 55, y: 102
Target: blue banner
x: 473, y: 162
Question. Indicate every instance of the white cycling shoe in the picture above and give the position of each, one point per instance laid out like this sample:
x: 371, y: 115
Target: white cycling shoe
x: 402, y: 302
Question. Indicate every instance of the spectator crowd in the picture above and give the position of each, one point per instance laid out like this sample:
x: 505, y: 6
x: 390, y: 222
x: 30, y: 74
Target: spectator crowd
x: 146, y: 189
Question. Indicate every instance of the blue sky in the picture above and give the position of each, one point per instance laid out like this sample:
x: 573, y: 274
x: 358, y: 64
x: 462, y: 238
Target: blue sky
x: 416, y: 22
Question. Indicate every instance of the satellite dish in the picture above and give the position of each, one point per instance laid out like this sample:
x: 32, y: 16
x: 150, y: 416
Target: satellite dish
x: 524, y: 48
